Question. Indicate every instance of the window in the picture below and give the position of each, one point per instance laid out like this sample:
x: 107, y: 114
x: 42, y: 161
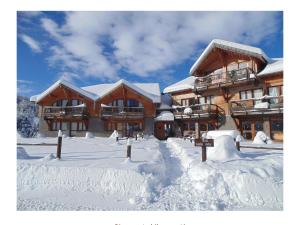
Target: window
x: 277, y: 125
x: 246, y: 94
x: 243, y: 65
x: 185, y: 102
x: 232, y: 66
x: 64, y: 126
x: 275, y: 92
x: 257, y: 93
x: 206, y: 99
x: 246, y: 129
x: 74, y: 126
x: 133, y: 103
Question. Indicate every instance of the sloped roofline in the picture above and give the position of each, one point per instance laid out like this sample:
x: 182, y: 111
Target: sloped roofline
x: 38, y: 98
x: 130, y: 85
x: 232, y: 46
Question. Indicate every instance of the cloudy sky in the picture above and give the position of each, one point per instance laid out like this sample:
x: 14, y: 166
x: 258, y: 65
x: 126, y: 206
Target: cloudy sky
x: 87, y: 48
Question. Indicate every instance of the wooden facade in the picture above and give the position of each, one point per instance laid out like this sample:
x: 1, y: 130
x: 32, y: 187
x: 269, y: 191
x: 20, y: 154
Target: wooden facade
x: 64, y: 108
x: 229, y: 93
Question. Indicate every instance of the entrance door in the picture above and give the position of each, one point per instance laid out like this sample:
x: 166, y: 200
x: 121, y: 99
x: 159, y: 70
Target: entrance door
x: 250, y: 128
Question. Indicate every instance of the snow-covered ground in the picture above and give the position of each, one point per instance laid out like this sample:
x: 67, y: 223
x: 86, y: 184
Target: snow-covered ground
x: 94, y: 174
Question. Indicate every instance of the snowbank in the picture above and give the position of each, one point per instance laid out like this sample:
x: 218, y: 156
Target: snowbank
x: 261, y: 138
x: 217, y: 133
x: 114, y: 135
x: 89, y: 135
x: 224, y: 149
x: 22, y: 154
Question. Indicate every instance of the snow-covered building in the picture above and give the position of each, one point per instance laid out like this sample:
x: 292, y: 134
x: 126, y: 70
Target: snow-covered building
x: 123, y: 106
x: 231, y: 86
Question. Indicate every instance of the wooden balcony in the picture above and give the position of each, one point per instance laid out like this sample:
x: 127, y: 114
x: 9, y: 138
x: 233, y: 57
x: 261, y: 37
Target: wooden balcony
x: 224, y: 79
x: 67, y: 112
x: 197, y: 111
x: 122, y: 112
x: 256, y: 106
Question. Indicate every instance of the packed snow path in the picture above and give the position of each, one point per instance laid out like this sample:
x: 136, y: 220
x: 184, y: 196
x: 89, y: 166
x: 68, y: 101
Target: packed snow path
x: 162, y: 175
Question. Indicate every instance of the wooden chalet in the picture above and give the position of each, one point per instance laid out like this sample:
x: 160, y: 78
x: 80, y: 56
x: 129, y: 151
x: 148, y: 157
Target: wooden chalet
x: 232, y: 86
x: 101, y: 109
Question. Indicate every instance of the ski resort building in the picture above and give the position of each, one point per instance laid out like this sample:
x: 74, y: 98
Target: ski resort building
x: 100, y: 109
x: 231, y: 86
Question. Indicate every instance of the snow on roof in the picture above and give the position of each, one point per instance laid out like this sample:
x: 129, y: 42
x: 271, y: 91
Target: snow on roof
x: 149, y: 90
x: 185, y: 84
x: 232, y: 46
x: 39, y: 97
x: 165, y: 116
x: 273, y: 67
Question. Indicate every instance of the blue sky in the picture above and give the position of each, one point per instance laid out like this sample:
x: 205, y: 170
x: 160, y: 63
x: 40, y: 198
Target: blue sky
x: 87, y: 48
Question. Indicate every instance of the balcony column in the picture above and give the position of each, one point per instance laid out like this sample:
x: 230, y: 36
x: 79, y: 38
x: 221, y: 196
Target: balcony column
x: 267, y: 126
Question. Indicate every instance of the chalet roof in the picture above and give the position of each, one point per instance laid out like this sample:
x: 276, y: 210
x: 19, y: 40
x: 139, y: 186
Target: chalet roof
x: 37, y: 98
x: 149, y: 90
x: 94, y: 92
x: 231, y: 46
x: 185, y: 84
x: 273, y: 67
x: 165, y: 116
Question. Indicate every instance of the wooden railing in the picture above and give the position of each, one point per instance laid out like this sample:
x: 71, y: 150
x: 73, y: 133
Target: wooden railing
x: 265, y: 104
x: 224, y: 77
x: 63, y: 112
x: 117, y: 111
x: 198, y: 110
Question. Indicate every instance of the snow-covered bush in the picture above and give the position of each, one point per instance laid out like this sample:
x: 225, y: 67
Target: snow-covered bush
x: 115, y: 134
x: 262, y: 138
x: 27, y: 120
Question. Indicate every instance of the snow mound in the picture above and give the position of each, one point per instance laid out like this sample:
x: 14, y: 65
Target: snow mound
x: 89, y: 135
x: 40, y: 135
x: 187, y: 111
x: 114, y: 135
x: 19, y: 135
x: 262, y: 138
x: 217, y: 133
x: 224, y: 149
x: 22, y: 154
x: 48, y: 157
x: 239, y: 138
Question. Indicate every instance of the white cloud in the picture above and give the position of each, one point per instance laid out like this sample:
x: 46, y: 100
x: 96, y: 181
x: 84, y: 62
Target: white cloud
x: 32, y: 44
x: 100, y: 44
x: 24, y: 87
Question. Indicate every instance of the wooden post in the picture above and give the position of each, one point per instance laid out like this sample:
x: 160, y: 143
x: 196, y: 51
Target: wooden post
x: 136, y: 136
x: 203, y: 152
x: 197, y: 131
x: 59, y: 144
x: 117, y: 139
x: 128, y: 155
x: 238, y: 145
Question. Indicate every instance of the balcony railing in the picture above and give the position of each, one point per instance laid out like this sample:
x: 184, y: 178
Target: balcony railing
x: 263, y: 105
x: 196, y: 111
x: 122, y: 112
x: 232, y: 76
x: 50, y: 112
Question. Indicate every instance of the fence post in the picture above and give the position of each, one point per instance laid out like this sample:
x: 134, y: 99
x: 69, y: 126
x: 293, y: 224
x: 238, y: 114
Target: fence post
x: 117, y: 139
x: 136, y: 136
x: 238, y: 145
x: 203, y: 152
x: 128, y: 148
x: 59, y: 144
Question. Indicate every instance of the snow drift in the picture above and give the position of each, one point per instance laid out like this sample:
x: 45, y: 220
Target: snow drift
x: 224, y: 149
x: 262, y: 138
x: 22, y: 154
